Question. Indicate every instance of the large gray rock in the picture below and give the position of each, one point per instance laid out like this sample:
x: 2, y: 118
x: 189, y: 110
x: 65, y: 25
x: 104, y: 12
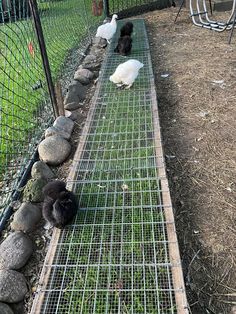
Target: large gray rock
x: 98, y: 52
x: 52, y: 131
x: 83, y: 76
x: 13, y: 286
x: 62, y: 126
x: 82, y: 79
x: 90, y: 58
x: 54, y: 150
x: 5, y: 309
x: 73, y: 115
x: 73, y: 106
x: 15, y: 251
x: 100, y: 42
x: 76, y: 93
x: 33, y: 190
x: 18, y: 308
x: 41, y: 170
x: 26, y: 217
x: 91, y: 62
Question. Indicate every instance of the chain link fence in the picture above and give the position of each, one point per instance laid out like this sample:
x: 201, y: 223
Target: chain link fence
x: 25, y: 106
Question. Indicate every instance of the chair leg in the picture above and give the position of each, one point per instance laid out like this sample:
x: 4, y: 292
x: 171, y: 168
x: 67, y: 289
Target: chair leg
x: 210, y: 3
x: 181, y: 5
x: 232, y: 29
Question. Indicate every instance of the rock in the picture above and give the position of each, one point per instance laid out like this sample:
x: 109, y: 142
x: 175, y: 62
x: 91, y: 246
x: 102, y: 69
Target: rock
x: 73, y: 106
x: 100, y: 42
x: 91, y: 62
x: 13, y: 286
x: 15, y: 251
x: 83, y: 76
x: 83, y: 80
x: 98, y: 52
x: 51, y: 131
x: 68, y: 113
x: 26, y: 217
x: 62, y: 126
x: 54, y: 150
x: 93, y: 66
x: 86, y: 73
x: 5, y: 309
x: 41, y: 170
x: 72, y: 115
x: 76, y: 93
x: 18, y: 308
x: 33, y: 190
x: 96, y: 74
x: 90, y: 58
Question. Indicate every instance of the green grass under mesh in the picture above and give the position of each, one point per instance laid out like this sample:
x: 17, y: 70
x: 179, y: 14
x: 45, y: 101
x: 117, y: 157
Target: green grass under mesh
x: 114, y: 257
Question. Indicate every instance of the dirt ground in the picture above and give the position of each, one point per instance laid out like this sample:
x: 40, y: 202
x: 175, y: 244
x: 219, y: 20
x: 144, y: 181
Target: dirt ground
x: 197, y: 113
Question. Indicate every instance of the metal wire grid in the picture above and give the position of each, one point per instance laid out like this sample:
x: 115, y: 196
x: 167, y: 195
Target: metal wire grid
x: 130, y: 5
x: 142, y: 82
x: 25, y: 110
x: 112, y: 260
x: 139, y: 36
x: 25, y: 106
x: 114, y: 257
x: 140, y: 47
x: 66, y: 24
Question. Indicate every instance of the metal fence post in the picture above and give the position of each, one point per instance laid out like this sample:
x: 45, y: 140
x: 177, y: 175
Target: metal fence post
x: 106, y: 7
x: 42, y: 46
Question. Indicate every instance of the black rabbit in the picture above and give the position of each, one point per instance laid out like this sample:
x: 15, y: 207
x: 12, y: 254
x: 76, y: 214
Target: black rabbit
x: 124, y: 45
x: 59, y: 206
x: 52, y: 189
x: 127, y: 29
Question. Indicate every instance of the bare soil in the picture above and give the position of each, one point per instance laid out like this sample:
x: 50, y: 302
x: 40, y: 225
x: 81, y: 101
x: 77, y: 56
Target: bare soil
x: 197, y: 114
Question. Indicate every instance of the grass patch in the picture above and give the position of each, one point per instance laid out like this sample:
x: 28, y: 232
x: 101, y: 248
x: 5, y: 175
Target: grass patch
x: 25, y: 109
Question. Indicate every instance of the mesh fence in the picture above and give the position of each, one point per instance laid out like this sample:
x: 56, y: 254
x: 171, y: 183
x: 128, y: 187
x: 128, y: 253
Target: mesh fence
x: 132, y: 7
x: 26, y: 110
x: 114, y: 258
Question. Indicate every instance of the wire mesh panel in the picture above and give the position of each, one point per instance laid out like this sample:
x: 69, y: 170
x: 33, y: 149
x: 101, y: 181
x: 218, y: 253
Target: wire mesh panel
x: 66, y: 24
x: 131, y: 7
x: 26, y: 110
x: 115, y: 258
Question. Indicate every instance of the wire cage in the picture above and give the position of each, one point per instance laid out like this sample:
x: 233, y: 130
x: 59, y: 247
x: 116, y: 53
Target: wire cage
x: 120, y: 255
x: 26, y: 109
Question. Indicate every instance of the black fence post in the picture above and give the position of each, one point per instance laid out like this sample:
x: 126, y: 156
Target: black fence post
x: 106, y: 7
x: 42, y: 46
